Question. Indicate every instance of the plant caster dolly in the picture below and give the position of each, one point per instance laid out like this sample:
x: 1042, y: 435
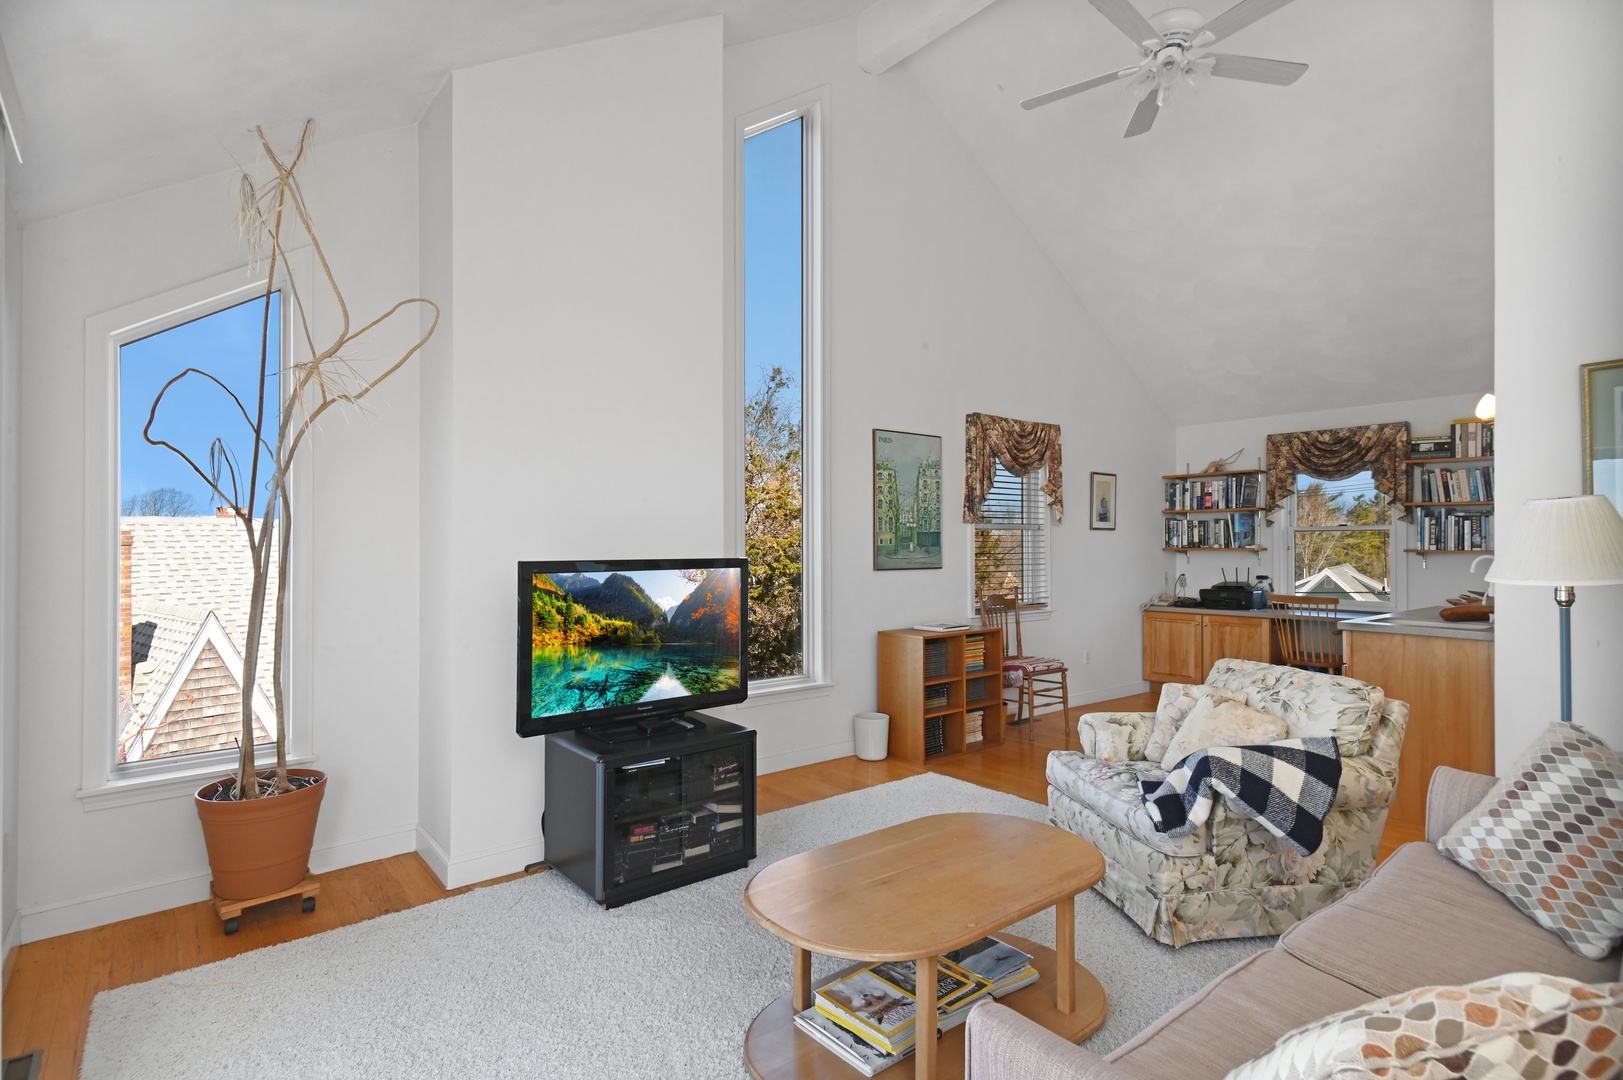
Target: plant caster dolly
x: 229, y: 910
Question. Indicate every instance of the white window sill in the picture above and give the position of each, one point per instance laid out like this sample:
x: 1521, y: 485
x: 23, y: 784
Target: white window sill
x: 168, y: 784
x: 779, y: 691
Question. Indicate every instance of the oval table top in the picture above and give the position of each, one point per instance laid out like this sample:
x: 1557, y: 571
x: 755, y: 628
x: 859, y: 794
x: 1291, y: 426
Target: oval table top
x: 922, y: 887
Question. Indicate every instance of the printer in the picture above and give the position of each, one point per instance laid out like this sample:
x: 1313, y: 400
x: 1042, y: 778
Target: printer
x: 1236, y: 595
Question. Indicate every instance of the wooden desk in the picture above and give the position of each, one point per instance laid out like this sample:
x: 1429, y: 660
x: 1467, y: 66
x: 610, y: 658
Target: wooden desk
x: 912, y: 892
x: 1447, y: 679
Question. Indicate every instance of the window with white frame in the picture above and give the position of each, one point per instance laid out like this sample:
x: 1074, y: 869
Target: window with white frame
x: 1339, y: 541
x: 185, y: 573
x: 1010, y: 540
x: 780, y: 350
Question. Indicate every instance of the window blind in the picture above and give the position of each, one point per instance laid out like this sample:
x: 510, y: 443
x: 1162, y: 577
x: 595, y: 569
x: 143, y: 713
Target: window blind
x: 1011, y: 539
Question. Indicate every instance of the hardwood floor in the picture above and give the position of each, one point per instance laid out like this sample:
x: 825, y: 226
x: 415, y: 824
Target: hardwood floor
x: 51, y: 983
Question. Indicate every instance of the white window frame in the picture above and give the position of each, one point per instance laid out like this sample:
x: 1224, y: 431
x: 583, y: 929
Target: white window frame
x: 1037, y: 521
x: 106, y: 782
x: 811, y: 108
x: 1397, y: 561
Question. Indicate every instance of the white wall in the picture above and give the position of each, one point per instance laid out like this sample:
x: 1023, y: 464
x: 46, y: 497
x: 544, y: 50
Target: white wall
x: 78, y: 867
x: 1558, y: 240
x: 10, y: 475
x: 1414, y: 585
x: 941, y: 304
x: 584, y: 408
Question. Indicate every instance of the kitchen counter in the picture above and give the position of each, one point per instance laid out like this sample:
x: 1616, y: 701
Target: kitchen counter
x: 1418, y: 622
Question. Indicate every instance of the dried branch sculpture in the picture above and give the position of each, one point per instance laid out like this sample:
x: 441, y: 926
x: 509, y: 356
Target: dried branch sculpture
x: 317, y: 384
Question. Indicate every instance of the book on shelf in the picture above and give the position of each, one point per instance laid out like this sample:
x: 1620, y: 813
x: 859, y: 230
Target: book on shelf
x: 940, y: 627
x: 845, y: 1045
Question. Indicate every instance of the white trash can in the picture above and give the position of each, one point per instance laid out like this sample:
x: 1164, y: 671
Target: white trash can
x: 872, y: 735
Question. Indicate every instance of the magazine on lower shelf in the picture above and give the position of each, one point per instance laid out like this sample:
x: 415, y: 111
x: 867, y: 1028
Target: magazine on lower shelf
x: 866, y: 1059
x: 877, y: 1002
x: 1004, y: 966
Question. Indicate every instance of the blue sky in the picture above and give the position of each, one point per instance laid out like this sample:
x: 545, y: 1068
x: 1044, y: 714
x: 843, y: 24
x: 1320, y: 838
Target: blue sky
x: 195, y: 411
x: 772, y: 253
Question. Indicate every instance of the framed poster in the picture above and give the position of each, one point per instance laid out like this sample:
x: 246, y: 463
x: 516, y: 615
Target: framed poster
x: 1603, y: 430
x: 906, y: 500
x: 1102, y: 500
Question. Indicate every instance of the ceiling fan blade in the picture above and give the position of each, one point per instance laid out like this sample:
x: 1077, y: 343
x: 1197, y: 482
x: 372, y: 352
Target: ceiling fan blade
x: 1075, y: 88
x: 1241, y: 15
x: 1255, y: 69
x: 1128, y: 19
x: 1143, y: 116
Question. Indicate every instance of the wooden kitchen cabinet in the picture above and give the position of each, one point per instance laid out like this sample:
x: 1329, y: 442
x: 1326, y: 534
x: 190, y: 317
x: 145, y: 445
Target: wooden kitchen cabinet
x: 1182, y: 645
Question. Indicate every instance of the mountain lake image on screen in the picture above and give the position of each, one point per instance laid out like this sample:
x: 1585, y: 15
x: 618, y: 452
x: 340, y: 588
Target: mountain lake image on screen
x: 610, y: 639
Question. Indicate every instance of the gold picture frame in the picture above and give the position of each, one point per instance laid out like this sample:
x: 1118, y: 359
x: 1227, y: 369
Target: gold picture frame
x: 1602, y: 388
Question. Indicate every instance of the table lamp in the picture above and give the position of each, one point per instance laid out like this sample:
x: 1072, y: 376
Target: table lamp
x: 1564, y: 543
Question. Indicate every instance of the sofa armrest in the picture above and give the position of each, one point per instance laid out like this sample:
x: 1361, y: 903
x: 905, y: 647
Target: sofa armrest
x: 1451, y: 794
x: 1115, y: 736
x: 1000, y: 1044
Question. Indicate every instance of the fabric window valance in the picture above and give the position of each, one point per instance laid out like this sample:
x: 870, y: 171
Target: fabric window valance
x: 1336, y: 454
x: 1023, y: 446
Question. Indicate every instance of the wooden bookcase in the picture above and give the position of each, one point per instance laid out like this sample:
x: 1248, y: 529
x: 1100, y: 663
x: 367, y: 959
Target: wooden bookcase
x: 1203, y: 505
x: 1476, y: 515
x: 925, y: 680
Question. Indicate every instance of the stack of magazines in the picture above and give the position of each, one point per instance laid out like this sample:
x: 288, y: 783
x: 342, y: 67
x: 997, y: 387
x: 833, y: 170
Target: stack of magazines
x: 867, y: 1017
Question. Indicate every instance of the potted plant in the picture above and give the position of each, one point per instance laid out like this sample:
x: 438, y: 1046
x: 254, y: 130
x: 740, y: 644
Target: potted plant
x: 259, y: 824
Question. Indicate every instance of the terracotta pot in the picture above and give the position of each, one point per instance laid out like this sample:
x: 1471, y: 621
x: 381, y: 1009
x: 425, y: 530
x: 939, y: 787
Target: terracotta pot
x: 260, y: 846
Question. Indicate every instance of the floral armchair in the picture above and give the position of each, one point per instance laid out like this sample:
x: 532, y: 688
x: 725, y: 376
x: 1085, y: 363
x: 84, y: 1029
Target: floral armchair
x: 1230, y: 877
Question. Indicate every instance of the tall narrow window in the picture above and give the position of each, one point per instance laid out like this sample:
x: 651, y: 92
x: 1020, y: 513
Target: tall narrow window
x: 1011, y: 540
x: 184, y: 570
x: 1341, y: 540
x: 775, y: 319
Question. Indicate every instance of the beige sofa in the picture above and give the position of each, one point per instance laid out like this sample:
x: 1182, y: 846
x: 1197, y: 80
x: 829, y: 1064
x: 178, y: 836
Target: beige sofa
x: 1420, y: 920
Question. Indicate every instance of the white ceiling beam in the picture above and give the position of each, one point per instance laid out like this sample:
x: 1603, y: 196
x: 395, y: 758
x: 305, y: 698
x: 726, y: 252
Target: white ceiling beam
x: 11, y: 110
x: 892, y: 30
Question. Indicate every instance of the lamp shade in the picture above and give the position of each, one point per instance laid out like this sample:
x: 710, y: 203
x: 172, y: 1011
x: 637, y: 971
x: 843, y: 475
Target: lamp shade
x: 1571, y: 541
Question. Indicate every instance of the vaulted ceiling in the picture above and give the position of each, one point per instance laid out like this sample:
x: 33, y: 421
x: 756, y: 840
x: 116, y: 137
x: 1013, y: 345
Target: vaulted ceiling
x: 1262, y: 250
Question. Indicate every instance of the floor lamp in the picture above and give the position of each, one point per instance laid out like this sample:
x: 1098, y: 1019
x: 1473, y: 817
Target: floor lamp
x: 1564, y: 543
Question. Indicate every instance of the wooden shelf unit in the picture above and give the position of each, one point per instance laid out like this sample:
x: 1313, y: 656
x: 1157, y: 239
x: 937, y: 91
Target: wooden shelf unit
x: 1442, y: 507
x: 1225, y: 490
x: 923, y: 678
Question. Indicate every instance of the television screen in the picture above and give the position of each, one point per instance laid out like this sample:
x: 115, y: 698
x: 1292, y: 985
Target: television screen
x: 603, y: 642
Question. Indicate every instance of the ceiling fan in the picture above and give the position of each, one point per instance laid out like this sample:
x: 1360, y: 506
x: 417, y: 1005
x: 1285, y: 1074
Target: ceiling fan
x: 1168, y: 41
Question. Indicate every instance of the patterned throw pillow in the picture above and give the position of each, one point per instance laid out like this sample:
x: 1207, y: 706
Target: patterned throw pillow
x: 1549, y: 835
x: 1176, y: 701
x: 1222, y: 723
x: 1527, y: 1025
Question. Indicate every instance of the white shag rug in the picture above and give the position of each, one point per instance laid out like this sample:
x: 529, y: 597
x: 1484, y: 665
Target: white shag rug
x: 531, y: 978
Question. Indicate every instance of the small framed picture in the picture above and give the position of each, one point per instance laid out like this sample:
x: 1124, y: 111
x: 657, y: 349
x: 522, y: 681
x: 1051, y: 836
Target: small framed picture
x: 1102, y: 505
x: 1603, y: 430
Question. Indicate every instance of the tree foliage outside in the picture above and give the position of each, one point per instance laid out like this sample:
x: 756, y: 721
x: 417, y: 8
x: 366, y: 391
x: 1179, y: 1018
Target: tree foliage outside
x: 773, y: 525
x: 158, y: 502
x: 1367, y: 550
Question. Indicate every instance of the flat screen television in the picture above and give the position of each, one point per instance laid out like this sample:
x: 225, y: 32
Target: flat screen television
x: 607, y: 645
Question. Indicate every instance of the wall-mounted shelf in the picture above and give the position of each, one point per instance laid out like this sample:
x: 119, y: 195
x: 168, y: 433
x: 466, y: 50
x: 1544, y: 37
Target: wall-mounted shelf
x: 1213, y: 511
x: 1453, y: 499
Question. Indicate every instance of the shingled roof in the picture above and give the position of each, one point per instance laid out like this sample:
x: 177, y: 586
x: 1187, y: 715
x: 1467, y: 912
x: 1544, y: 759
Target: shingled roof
x: 190, y: 581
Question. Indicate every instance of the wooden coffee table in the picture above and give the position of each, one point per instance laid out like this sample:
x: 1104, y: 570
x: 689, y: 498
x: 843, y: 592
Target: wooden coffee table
x: 912, y: 892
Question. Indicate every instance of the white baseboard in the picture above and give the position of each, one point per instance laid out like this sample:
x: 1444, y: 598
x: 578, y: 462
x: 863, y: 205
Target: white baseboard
x: 1105, y: 693
x: 8, y: 946
x: 116, y: 905
x: 805, y: 755
x: 477, y: 866
x: 437, y: 858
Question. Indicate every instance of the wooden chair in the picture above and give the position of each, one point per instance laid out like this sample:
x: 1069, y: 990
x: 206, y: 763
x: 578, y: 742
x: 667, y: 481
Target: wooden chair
x: 1034, y: 679
x: 1308, y: 637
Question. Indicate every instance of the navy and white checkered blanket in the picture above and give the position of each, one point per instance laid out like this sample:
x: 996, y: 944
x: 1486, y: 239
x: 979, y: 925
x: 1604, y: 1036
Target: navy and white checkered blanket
x: 1288, y: 786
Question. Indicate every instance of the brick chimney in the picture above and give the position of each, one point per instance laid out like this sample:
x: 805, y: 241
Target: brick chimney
x: 226, y: 512
x: 126, y: 613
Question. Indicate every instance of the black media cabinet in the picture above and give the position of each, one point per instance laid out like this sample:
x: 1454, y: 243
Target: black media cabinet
x: 629, y: 819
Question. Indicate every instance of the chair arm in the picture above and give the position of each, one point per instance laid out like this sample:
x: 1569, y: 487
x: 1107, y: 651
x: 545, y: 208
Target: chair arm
x: 1115, y: 736
x: 1451, y: 794
x: 1000, y: 1044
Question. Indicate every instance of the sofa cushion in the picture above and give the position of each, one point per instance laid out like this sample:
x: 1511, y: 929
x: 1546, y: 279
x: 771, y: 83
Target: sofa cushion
x: 1549, y: 835
x: 1422, y: 920
x: 1176, y: 701
x: 1222, y: 723
x: 1110, y: 790
x: 1235, y: 1018
x: 1312, y: 703
x: 1524, y: 1024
